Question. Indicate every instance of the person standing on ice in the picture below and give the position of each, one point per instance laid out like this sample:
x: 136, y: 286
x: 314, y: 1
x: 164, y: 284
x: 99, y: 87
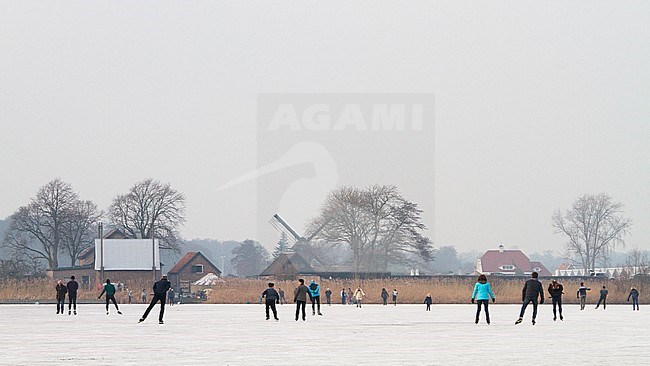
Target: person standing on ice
x: 344, y: 297
x: 314, y: 295
x: 603, y: 298
x: 143, y: 296
x: 482, y: 294
x: 634, y: 294
x: 358, y: 296
x: 170, y: 297
x: 427, y: 300
x: 300, y: 298
x: 73, y: 287
x: 556, y: 290
x: 109, y: 289
x: 61, y: 290
x: 160, y: 289
x: 532, y: 289
x: 281, y: 293
x: 384, y: 296
x: 582, y: 295
x: 271, y: 298
x: 349, y: 296
x: 395, y: 297
x: 328, y: 296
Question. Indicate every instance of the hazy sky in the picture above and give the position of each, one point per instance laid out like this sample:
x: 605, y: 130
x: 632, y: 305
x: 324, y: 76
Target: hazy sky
x: 535, y: 104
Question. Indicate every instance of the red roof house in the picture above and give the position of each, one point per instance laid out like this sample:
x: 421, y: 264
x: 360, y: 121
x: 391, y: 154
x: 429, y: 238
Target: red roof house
x: 511, y: 262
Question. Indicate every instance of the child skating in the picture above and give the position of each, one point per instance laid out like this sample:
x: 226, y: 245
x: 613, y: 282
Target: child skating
x: 428, y: 300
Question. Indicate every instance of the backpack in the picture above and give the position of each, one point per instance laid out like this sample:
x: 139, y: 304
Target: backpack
x: 313, y: 286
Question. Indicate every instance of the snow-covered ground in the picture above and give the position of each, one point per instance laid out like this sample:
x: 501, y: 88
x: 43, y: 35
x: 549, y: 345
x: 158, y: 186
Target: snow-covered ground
x: 345, y: 335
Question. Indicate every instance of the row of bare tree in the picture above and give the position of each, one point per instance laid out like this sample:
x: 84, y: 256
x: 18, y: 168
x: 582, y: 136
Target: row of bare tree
x: 57, y: 223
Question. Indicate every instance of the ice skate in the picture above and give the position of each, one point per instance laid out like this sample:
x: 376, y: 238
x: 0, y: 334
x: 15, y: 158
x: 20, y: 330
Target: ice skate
x: 519, y: 321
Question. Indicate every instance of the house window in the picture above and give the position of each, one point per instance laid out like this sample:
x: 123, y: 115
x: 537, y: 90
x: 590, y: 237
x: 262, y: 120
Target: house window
x: 508, y: 267
x: 197, y: 268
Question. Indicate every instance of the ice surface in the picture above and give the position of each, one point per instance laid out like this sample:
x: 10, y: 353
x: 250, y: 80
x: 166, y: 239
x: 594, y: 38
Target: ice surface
x: 345, y: 335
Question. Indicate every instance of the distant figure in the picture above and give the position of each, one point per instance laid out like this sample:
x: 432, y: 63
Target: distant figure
x: 532, y: 289
x: 482, y: 294
x: 160, y: 289
x: 328, y: 296
x: 358, y: 296
x: 300, y: 298
x: 314, y: 295
x: 130, y: 296
x: 395, y: 297
x: 61, y: 290
x: 73, y: 287
x: 634, y: 294
x: 582, y: 295
x: 384, y: 296
x: 109, y: 289
x: 143, y: 296
x: 349, y: 296
x: 282, y: 301
x: 271, y: 298
x: 556, y: 290
x: 603, y: 298
x: 170, y: 297
x: 427, y: 300
x: 344, y: 297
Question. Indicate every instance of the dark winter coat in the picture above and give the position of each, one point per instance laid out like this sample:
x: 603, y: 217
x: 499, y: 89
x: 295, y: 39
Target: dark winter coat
x: 271, y: 295
x: 532, y: 289
x: 73, y: 287
x: 328, y: 293
x: 384, y: 294
x: 633, y: 294
x: 109, y: 289
x: 161, y: 287
x: 556, y: 291
x: 301, y: 293
x: 603, y: 293
x: 61, y: 290
x: 428, y: 300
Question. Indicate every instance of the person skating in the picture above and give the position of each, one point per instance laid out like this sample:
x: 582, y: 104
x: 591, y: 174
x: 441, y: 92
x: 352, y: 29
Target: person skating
x: 349, y: 296
x: 603, y: 297
x: 395, y: 297
x: 170, y: 297
x: 634, y: 294
x: 427, y: 300
x: 130, y: 296
x: 358, y: 296
x: 532, y: 289
x: 582, y: 294
x: 73, y: 287
x: 482, y: 294
x: 281, y: 292
x: 143, y: 296
x: 109, y: 289
x: 328, y: 296
x: 314, y: 295
x: 160, y: 289
x: 384, y: 296
x: 344, y: 297
x: 556, y: 290
x: 300, y: 298
x: 61, y: 290
x: 271, y: 298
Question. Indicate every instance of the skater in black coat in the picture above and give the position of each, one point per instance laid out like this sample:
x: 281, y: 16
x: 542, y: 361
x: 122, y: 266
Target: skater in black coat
x: 271, y: 298
x: 61, y: 290
x: 556, y: 290
x: 73, y: 287
x: 160, y: 289
x: 532, y: 289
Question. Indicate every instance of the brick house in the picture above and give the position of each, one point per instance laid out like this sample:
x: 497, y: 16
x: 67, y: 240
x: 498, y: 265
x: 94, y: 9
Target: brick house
x: 509, y: 262
x: 191, y: 267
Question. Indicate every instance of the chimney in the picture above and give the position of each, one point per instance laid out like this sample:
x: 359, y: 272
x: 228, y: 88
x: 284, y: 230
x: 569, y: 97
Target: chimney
x: 501, y: 248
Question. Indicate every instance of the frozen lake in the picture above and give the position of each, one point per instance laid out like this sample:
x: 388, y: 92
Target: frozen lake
x: 372, y: 335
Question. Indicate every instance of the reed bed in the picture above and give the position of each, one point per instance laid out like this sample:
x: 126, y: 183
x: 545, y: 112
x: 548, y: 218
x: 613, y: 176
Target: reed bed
x: 444, y: 290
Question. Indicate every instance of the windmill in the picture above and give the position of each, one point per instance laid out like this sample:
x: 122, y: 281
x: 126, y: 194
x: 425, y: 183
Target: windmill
x: 299, y: 244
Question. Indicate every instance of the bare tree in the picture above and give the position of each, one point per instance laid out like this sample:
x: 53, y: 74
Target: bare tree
x: 593, y: 226
x: 250, y: 258
x: 377, y: 224
x: 150, y: 209
x: 80, y: 230
x: 37, y: 230
x: 638, y: 262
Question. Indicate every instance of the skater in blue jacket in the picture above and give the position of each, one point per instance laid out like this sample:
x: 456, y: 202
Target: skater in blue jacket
x: 482, y: 294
